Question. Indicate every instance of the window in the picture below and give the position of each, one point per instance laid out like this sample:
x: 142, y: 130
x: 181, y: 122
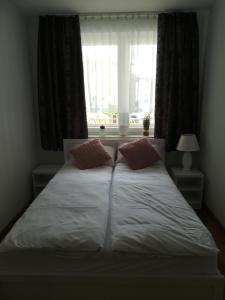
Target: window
x: 101, y: 86
x: 119, y: 59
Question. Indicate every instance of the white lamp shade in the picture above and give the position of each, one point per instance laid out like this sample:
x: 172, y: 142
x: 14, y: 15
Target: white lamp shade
x: 188, y: 143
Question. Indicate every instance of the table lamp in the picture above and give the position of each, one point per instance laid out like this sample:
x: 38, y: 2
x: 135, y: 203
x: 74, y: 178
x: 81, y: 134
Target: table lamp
x: 187, y: 143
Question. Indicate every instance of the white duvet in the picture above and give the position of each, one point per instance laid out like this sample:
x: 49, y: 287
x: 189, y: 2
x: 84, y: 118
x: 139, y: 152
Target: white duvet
x: 70, y: 213
x: 149, y: 215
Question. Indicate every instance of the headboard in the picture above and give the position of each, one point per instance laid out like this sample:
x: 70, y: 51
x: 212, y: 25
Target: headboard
x: 114, y: 141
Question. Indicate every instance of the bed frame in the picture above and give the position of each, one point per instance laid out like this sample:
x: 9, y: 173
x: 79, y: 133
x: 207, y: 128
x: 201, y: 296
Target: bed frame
x: 112, y: 288
x: 53, y: 287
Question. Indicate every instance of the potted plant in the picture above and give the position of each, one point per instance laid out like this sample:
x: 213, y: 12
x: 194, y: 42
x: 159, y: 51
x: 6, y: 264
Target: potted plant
x: 146, y: 124
x: 102, y: 130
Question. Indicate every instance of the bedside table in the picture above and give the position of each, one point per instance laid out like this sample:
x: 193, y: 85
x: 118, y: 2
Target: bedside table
x: 190, y: 184
x: 42, y: 175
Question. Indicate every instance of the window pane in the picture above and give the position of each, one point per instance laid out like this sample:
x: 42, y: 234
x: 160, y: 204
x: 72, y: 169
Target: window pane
x: 142, y: 86
x: 106, y: 118
x: 100, y: 76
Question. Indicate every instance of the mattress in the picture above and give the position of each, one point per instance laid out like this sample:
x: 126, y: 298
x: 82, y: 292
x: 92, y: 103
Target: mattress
x: 119, y: 248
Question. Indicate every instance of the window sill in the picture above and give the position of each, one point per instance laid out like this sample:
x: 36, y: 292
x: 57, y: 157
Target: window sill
x: 114, y: 132
x: 117, y: 136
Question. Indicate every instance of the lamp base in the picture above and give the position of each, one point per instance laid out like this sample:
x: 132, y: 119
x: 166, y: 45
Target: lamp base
x: 187, y: 161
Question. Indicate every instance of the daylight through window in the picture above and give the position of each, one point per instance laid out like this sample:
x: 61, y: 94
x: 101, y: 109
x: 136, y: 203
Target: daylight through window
x: 119, y: 60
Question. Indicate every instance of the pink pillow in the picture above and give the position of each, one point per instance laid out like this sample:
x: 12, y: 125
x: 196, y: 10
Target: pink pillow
x: 121, y: 158
x: 90, y: 154
x: 139, y: 154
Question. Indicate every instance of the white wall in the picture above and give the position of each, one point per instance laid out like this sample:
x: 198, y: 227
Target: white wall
x: 213, y: 122
x: 17, y: 131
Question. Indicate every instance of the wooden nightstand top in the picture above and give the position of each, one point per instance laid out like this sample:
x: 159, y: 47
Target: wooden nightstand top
x: 47, y: 169
x: 179, y: 172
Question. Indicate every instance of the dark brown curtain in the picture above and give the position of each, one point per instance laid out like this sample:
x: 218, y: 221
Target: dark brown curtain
x: 177, y: 77
x: 61, y: 96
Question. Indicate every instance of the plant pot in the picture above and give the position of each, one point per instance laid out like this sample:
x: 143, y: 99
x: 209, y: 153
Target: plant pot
x: 145, y: 132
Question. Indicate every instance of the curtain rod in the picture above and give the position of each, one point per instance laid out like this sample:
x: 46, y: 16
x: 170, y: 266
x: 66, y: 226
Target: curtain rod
x: 103, y: 13
x: 129, y: 13
x: 116, y: 16
x: 118, y: 13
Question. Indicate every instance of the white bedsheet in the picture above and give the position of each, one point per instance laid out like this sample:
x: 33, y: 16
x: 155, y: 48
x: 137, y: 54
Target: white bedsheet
x: 70, y: 213
x: 149, y: 215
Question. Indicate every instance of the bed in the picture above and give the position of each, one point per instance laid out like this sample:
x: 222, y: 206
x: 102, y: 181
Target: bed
x: 137, y: 239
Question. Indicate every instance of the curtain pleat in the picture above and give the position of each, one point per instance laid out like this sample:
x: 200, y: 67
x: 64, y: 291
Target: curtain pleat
x: 177, y: 77
x: 61, y: 97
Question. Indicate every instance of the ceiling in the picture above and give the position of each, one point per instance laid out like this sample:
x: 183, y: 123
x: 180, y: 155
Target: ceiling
x: 83, y: 6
